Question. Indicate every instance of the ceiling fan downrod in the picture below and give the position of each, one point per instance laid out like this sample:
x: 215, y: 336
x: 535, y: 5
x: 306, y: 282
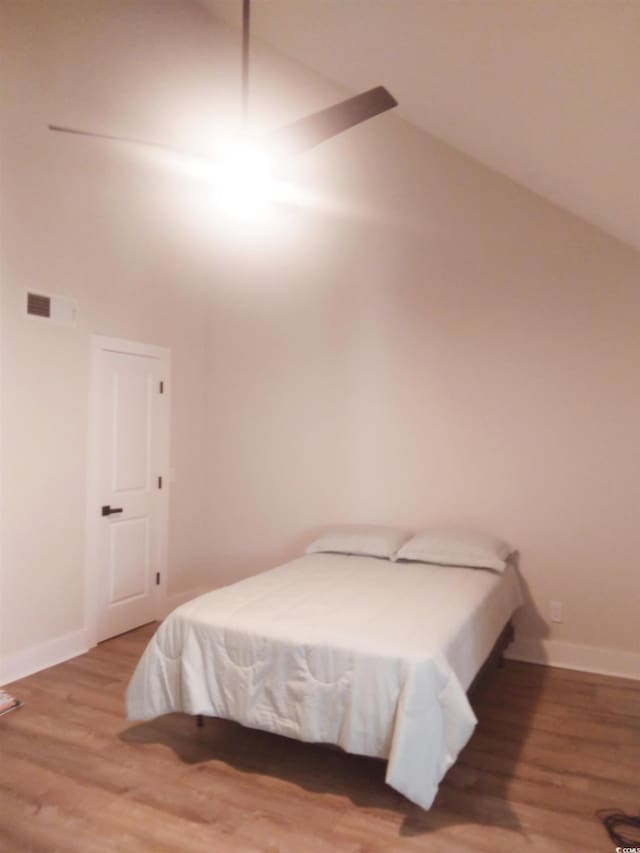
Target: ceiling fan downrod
x: 246, y: 12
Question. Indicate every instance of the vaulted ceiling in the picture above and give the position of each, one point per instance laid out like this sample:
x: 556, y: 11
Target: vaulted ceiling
x: 544, y: 91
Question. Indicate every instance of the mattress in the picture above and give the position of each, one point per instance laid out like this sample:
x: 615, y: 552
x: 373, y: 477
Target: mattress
x: 364, y: 653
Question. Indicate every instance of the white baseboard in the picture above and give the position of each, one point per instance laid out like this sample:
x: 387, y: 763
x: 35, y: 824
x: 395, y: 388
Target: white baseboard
x: 27, y: 661
x: 33, y: 659
x: 177, y: 598
x: 528, y: 649
x: 575, y: 656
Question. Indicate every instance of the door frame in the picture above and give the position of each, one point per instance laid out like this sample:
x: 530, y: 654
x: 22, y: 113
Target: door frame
x: 99, y: 344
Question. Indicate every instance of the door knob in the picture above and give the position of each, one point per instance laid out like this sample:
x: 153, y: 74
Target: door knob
x: 107, y: 510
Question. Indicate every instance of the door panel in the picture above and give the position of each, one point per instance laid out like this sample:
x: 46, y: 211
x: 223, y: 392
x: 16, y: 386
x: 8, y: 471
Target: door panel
x: 133, y: 412
x: 129, y: 555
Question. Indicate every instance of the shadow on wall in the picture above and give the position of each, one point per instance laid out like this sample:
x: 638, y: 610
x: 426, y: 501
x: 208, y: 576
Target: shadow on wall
x: 537, y: 629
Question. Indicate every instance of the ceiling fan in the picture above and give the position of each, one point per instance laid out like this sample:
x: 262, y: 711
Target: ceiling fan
x: 298, y: 136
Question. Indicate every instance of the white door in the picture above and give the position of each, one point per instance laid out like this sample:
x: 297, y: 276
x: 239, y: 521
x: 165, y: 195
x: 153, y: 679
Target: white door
x: 130, y: 440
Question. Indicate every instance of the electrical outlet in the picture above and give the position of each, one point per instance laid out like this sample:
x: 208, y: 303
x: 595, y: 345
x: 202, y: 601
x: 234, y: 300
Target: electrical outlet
x: 555, y: 609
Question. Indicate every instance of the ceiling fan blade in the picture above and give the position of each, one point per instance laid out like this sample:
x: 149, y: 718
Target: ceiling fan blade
x: 73, y: 130
x: 313, y: 129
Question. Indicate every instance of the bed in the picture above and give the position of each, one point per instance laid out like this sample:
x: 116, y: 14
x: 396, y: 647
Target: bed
x: 370, y: 655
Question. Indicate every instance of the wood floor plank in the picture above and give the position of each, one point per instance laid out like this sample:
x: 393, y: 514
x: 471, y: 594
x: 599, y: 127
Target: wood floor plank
x: 551, y: 748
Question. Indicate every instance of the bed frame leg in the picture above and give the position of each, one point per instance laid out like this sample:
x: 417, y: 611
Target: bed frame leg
x: 199, y: 721
x: 508, y: 639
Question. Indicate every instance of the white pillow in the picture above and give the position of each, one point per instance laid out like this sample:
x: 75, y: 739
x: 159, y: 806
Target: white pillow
x: 366, y: 540
x: 451, y: 547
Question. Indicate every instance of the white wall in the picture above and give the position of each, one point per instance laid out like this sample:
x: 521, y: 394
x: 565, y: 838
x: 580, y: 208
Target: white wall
x: 457, y: 350
x: 97, y: 222
x: 432, y: 343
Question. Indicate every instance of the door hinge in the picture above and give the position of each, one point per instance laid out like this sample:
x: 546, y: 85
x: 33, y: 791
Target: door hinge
x: 161, y: 387
x: 159, y: 482
x: 157, y: 578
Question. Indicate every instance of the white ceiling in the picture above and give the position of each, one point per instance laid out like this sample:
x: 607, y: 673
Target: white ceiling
x: 544, y: 91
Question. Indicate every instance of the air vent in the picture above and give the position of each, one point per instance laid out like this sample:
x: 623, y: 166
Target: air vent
x: 38, y: 305
x: 59, y: 310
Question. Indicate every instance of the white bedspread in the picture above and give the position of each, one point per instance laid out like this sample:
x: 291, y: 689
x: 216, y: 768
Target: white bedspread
x: 370, y: 655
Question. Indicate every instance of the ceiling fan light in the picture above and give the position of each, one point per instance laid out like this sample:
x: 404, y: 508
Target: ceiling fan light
x: 246, y: 184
